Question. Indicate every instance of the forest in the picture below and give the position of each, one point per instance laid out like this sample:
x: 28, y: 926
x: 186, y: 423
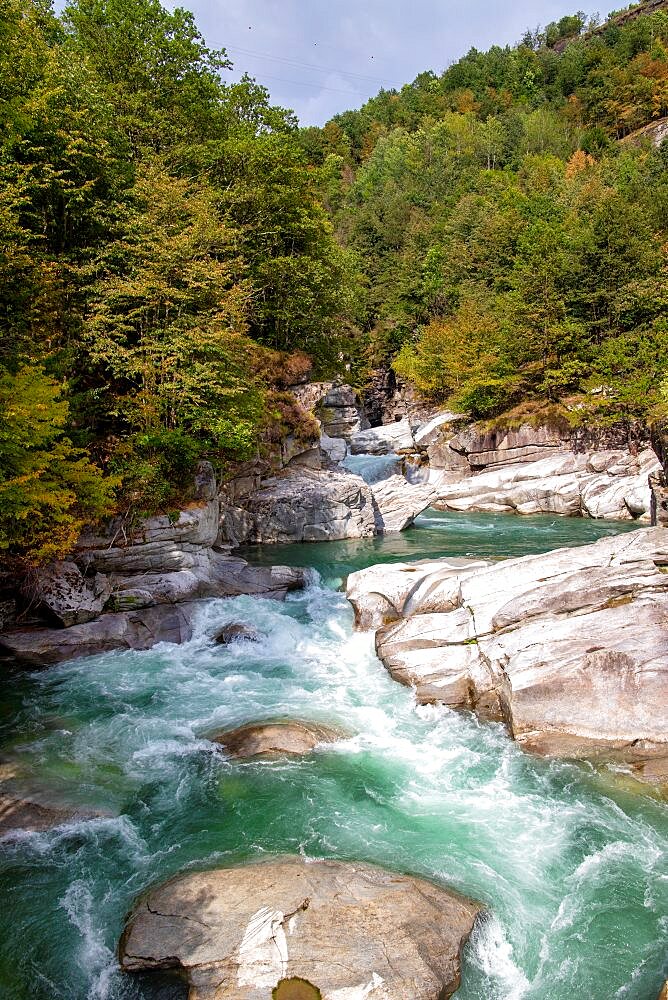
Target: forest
x: 175, y: 251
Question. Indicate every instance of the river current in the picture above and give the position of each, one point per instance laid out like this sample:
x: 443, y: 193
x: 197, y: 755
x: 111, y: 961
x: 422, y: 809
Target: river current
x: 569, y: 861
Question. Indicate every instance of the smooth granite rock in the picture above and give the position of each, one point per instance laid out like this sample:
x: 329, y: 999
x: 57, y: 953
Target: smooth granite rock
x: 569, y: 648
x: 384, y: 440
x: 387, y: 592
x: 303, y: 506
x: 350, y: 930
x: 611, y: 485
x: 278, y: 738
x: 399, y: 502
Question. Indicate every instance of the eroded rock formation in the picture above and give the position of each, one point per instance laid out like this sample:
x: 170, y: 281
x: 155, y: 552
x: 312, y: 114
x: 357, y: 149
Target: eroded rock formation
x: 533, y: 470
x: 569, y: 649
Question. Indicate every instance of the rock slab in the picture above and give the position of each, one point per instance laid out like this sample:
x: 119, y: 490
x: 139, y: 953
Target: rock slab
x: 302, y: 505
x: 569, y: 649
x: 349, y: 930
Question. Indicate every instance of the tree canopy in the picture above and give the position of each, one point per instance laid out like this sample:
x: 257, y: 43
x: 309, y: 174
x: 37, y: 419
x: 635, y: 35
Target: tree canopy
x: 175, y: 251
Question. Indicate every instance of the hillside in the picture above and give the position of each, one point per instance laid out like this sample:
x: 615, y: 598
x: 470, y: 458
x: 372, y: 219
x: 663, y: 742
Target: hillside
x: 513, y: 250
x: 176, y: 252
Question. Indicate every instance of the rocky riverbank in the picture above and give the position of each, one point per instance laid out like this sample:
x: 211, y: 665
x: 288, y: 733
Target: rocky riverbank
x: 568, y: 649
x: 131, y: 585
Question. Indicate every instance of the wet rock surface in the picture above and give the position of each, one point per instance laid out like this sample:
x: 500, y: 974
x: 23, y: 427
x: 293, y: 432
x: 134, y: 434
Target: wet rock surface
x: 236, y: 632
x: 278, y: 738
x: 21, y: 809
x: 347, y: 930
x: 569, y: 648
x: 18, y: 814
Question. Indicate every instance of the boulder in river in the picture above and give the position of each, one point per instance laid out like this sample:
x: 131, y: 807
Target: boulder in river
x: 280, y: 738
x: 18, y: 813
x: 399, y: 502
x: 236, y: 632
x: 568, y: 648
x: 347, y: 930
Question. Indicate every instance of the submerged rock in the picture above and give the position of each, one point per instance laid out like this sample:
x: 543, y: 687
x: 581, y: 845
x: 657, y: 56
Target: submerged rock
x: 291, y: 738
x: 568, y: 648
x: 345, y: 930
x: 236, y: 632
x: 25, y: 814
x: 21, y: 809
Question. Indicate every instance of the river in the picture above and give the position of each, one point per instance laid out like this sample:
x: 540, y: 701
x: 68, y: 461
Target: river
x: 570, y: 862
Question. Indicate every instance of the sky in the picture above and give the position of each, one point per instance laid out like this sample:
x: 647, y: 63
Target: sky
x: 320, y: 57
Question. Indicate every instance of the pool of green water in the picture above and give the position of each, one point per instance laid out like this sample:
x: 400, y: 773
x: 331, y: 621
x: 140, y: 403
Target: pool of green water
x: 569, y: 862
x: 436, y: 534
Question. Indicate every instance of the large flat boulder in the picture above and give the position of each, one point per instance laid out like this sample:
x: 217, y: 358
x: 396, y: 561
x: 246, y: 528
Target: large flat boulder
x: 211, y: 574
x: 569, y: 649
x: 346, y: 930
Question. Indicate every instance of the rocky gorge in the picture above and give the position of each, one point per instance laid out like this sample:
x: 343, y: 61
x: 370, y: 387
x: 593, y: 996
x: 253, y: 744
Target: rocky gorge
x: 342, y: 826
x: 129, y: 585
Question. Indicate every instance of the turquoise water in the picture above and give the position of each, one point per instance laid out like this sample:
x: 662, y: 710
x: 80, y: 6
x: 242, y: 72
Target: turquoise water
x: 570, y: 862
x: 437, y: 534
